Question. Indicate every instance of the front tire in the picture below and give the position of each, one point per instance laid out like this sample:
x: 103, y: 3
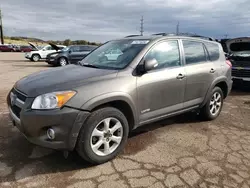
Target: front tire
x: 214, y: 105
x: 103, y: 136
x: 62, y: 61
x: 35, y: 57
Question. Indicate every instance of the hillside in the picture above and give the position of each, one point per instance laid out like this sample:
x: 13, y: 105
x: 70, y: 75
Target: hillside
x: 25, y: 40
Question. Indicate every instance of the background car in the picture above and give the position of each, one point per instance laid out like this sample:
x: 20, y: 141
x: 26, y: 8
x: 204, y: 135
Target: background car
x: 6, y: 48
x: 70, y: 55
x: 239, y: 55
x: 26, y: 49
x: 113, y: 54
x: 42, y: 53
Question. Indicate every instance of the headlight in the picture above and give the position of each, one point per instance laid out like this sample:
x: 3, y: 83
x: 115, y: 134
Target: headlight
x: 52, y: 100
x: 53, y: 55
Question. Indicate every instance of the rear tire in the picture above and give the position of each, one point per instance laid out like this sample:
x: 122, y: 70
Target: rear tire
x: 98, y: 143
x: 214, y: 105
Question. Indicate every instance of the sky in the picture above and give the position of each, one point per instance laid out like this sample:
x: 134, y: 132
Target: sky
x: 102, y: 20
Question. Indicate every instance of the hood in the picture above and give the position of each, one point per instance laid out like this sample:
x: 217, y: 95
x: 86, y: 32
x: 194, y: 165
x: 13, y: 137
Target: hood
x: 54, y: 46
x: 61, y: 78
x: 33, y: 46
x: 58, y: 52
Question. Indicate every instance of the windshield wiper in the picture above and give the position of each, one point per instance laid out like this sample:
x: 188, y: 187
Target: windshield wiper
x: 89, y: 65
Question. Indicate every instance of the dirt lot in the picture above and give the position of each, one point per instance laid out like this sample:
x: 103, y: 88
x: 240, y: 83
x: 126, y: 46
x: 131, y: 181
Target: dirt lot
x: 179, y: 152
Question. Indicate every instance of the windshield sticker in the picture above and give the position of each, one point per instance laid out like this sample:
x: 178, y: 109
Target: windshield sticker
x: 140, y: 42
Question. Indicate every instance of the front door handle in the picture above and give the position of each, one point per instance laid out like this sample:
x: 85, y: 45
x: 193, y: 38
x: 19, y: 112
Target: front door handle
x: 180, y: 76
x: 212, y: 70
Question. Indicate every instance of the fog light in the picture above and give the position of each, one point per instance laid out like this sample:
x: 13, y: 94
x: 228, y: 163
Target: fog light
x: 51, y: 134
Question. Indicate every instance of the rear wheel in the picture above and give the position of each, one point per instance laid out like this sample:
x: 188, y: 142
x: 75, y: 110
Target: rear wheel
x: 35, y: 57
x: 103, y: 136
x: 63, y: 61
x: 213, y: 106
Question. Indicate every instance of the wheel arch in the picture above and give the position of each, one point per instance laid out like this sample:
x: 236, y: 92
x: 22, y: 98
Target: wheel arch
x: 220, y: 82
x: 63, y: 56
x: 121, y: 101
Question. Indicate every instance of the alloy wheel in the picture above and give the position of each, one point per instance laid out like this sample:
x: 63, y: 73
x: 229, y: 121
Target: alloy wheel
x: 215, y: 103
x: 106, y: 136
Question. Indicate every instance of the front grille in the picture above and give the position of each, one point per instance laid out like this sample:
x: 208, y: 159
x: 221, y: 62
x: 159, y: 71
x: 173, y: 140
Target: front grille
x: 244, y: 73
x: 17, y: 106
x: 241, y: 63
x: 19, y: 95
x: 16, y: 110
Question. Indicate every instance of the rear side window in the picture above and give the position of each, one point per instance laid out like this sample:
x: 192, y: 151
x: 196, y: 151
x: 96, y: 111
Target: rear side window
x: 213, y: 51
x: 75, y: 48
x: 194, y: 52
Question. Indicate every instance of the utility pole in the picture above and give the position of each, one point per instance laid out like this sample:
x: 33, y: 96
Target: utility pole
x: 142, y: 26
x: 177, y: 29
x: 1, y: 27
x: 226, y: 35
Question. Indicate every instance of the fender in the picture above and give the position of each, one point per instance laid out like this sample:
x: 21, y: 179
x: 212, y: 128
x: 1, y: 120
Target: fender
x: 110, y: 97
x: 216, y: 81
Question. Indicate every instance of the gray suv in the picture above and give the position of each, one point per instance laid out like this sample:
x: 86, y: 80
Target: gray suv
x: 92, y: 106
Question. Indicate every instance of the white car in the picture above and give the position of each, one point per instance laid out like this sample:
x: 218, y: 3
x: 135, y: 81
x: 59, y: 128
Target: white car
x: 42, y: 53
x: 113, y: 54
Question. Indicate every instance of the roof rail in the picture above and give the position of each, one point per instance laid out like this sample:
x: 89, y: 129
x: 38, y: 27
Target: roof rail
x: 164, y: 34
x: 188, y: 35
x: 132, y: 36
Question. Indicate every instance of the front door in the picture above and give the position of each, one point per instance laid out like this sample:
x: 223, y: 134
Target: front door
x: 161, y: 91
x: 200, y: 72
x: 75, y: 54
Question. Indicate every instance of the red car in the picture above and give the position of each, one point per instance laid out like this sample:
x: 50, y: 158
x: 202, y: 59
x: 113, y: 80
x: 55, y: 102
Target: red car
x: 25, y: 49
x: 6, y: 48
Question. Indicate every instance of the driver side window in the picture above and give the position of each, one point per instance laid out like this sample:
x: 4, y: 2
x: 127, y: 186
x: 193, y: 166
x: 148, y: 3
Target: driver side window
x: 48, y: 48
x: 166, y: 54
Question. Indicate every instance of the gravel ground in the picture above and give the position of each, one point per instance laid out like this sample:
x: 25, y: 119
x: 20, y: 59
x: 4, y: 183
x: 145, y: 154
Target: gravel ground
x: 178, y: 152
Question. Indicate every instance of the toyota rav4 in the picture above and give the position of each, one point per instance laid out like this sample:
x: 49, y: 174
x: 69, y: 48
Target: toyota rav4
x: 92, y: 106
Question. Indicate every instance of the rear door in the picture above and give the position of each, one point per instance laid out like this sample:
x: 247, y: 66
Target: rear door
x: 85, y: 50
x: 200, y: 72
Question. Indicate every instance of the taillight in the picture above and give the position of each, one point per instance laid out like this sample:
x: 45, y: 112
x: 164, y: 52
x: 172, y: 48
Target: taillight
x: 229, y: 63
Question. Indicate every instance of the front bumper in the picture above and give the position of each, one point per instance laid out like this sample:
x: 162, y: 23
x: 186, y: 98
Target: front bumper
x: 241, y: 79
x: 51, y: 60
x: 27, y: 56
x: 33, y: 124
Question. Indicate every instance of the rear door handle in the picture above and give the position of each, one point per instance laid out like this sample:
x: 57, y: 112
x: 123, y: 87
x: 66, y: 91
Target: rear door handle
x: 180, y: 76
x: 212, y: 70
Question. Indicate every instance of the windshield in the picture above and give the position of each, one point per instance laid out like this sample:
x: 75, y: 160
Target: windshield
x: 115, y: 54
x: 240, y: 46
x: 65, y: 49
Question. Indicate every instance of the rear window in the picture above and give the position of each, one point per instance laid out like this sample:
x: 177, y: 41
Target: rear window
x: 213, y: 51
x: 240, y: 46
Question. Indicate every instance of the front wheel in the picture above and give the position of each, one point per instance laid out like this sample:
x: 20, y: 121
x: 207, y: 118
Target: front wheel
x: 103, y: 136
x: 63, y: 61
x: 213, y: 106
x: 35, y: 57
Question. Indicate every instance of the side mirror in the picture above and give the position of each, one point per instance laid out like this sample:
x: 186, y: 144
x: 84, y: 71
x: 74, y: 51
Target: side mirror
x: 70, y: 51
x: 150, y: 64
x: 147, y: 65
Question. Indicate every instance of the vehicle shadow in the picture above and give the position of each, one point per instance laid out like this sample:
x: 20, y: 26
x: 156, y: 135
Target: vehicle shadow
x: 16, y: 151
x: 240, y: 90
x: 34, y: 65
